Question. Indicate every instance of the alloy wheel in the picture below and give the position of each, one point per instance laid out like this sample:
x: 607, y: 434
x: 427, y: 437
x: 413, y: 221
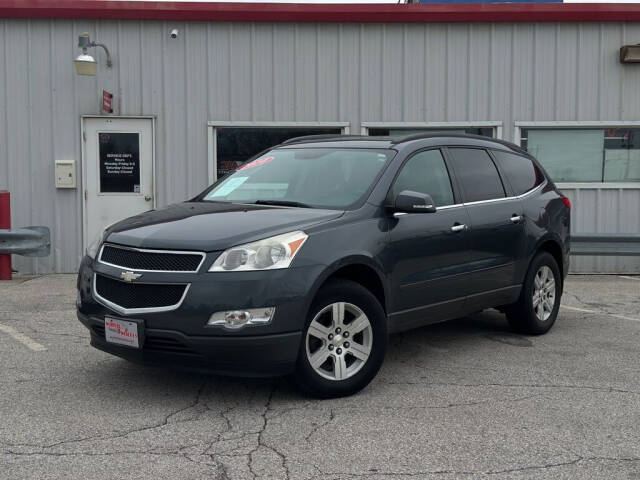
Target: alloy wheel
x: 544, y: 293
x: 339, y: 341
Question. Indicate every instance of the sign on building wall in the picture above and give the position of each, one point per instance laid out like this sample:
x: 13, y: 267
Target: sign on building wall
x: 107, y: 102
x: 119, y: 162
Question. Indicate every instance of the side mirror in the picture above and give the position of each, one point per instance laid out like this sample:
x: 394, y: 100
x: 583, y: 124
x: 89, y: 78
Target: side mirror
x: 413, y: 202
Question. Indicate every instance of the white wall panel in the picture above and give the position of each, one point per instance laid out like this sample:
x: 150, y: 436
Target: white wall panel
x: 296, y: 72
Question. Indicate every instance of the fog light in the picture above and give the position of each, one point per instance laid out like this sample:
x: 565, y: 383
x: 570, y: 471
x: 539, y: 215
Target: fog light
x: 235, y: 319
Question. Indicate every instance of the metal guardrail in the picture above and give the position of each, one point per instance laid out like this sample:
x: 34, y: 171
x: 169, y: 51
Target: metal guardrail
x: 609, y: 245
x: 27, y: 241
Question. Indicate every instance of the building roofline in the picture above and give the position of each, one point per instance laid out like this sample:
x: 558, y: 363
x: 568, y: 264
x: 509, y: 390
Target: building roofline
x: 344, y: 13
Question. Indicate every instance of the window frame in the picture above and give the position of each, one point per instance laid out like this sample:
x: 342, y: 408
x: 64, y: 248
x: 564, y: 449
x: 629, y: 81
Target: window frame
x: 495, y: 125
x: 457, y: 194
x: 506, y: 186
x: 212, y: 133
x: 505, y: 178
x: 558, y: 125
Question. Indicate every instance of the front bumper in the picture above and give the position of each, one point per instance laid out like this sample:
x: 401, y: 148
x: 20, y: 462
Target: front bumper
x: 262, y: 355
x: 181, y: 338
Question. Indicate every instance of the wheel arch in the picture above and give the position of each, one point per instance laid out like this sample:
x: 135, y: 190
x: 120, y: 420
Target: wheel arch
x: 360, y: 269
x: 554, y: 248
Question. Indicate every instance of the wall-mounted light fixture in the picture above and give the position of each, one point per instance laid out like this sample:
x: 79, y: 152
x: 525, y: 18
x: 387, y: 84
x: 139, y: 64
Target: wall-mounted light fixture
x: 85, y: 63
x: 630, y: 54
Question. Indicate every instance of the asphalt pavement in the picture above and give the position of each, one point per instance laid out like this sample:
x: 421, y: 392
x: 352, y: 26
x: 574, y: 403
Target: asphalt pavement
x: 462, y: 399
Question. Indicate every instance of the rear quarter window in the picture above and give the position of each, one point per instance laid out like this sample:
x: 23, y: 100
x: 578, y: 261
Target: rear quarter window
x: 521, y: 172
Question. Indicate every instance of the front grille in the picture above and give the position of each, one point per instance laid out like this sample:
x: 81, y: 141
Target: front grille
x: 150, y: 260
x: 155, y: 343
x: 138, y: 295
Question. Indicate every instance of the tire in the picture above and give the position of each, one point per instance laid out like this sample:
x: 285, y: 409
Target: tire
x: 351, y: 359
x: 527, y: 316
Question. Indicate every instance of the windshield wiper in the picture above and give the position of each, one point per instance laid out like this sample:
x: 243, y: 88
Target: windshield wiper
x: 284, y: 203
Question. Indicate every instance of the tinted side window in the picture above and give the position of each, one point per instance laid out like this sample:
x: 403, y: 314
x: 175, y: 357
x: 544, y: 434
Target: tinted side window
x: 427, y: 173
x: 477, y: 173
x: 522, y: 173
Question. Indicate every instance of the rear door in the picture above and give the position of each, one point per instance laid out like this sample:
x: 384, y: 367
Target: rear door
x: 497, y: 231
x: 523, y: 177
x: 429, y: 252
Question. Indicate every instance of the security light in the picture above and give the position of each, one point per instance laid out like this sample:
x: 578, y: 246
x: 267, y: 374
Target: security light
x: 630, y: 54
x: 85, y: 63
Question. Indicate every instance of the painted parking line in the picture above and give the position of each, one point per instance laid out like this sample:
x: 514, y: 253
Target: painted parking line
x: 578, y: 309
x: 615, y: 315
x: 22, y: 338
x: 630, y: 278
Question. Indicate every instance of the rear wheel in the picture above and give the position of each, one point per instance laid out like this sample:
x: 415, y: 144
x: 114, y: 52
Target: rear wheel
x: 536, y: 310
x: 344, y: 341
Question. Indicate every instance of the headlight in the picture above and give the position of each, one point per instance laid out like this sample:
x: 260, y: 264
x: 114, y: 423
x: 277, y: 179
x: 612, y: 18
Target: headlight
x: 94, y: 246
x: 268, y: 254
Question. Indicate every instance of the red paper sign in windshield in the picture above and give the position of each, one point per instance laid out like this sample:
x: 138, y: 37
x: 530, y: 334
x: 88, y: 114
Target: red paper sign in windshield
x: 256, y: 163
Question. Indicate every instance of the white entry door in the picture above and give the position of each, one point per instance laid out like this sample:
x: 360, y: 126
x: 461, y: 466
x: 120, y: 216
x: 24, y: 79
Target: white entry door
x: 118, y: 171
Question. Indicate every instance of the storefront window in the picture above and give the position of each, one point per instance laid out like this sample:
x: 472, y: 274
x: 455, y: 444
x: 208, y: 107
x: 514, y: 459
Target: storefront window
x: 587, y: 154
x: 235, y: 145
x: 401, y: 132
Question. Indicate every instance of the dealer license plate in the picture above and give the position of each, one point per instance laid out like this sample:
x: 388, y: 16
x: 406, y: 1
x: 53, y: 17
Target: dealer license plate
x: 122, y: 332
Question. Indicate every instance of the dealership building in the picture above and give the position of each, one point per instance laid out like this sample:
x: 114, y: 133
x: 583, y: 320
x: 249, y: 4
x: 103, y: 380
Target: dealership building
x: 185, y: 92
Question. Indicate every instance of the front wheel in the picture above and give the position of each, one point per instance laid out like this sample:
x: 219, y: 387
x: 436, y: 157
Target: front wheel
x: 536, y: 310
x: 344, y: 341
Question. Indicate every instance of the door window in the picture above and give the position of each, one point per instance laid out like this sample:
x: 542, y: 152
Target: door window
x: 477, y: 173
x: 119, y: 158
x: 427, y: 173
x: 522, y: 173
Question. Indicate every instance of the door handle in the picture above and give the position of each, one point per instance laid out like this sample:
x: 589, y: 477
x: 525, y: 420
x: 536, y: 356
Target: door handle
x: 148, y: 198
x: 516, y: 218
x: 458, y: 228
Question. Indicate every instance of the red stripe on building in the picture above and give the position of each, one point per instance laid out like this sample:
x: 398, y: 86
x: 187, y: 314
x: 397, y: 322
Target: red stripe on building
x: 291, y: 12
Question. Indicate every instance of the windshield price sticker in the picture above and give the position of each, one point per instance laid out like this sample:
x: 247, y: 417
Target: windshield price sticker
x: 256, y: 163
x: 227, y: 187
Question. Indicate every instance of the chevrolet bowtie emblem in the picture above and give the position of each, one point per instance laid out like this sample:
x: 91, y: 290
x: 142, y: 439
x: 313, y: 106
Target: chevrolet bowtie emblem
x: 130, y: 276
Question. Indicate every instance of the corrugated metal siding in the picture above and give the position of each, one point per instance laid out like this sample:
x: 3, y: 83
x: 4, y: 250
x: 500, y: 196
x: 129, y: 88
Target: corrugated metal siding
x: 290, y: 72
x: 604, y: 210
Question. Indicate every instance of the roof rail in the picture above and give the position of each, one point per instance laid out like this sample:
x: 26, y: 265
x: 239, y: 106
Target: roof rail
x: 420, y: 136
x: 322, y: 137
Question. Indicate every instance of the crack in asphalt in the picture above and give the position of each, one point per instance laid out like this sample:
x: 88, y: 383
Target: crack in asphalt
x: 518, y: 385
x: 575, y: 461
x: 598, y: 307
x: 261, y: 441
x: 317, y: 427
x: 160, y: 424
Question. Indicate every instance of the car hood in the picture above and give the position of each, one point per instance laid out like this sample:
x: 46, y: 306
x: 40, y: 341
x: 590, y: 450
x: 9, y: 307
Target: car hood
x: 208, y: 226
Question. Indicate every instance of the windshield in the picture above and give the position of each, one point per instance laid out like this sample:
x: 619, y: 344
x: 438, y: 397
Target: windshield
x: 334, y: 178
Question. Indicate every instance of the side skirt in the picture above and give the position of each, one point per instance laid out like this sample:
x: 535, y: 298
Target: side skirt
x: 450, y: 309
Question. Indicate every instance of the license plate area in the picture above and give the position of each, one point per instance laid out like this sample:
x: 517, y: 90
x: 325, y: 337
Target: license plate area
x: 126, y: 332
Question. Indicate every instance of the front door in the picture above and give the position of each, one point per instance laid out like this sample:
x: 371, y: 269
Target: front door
x: 429, y: 253
x: 118, y: 166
